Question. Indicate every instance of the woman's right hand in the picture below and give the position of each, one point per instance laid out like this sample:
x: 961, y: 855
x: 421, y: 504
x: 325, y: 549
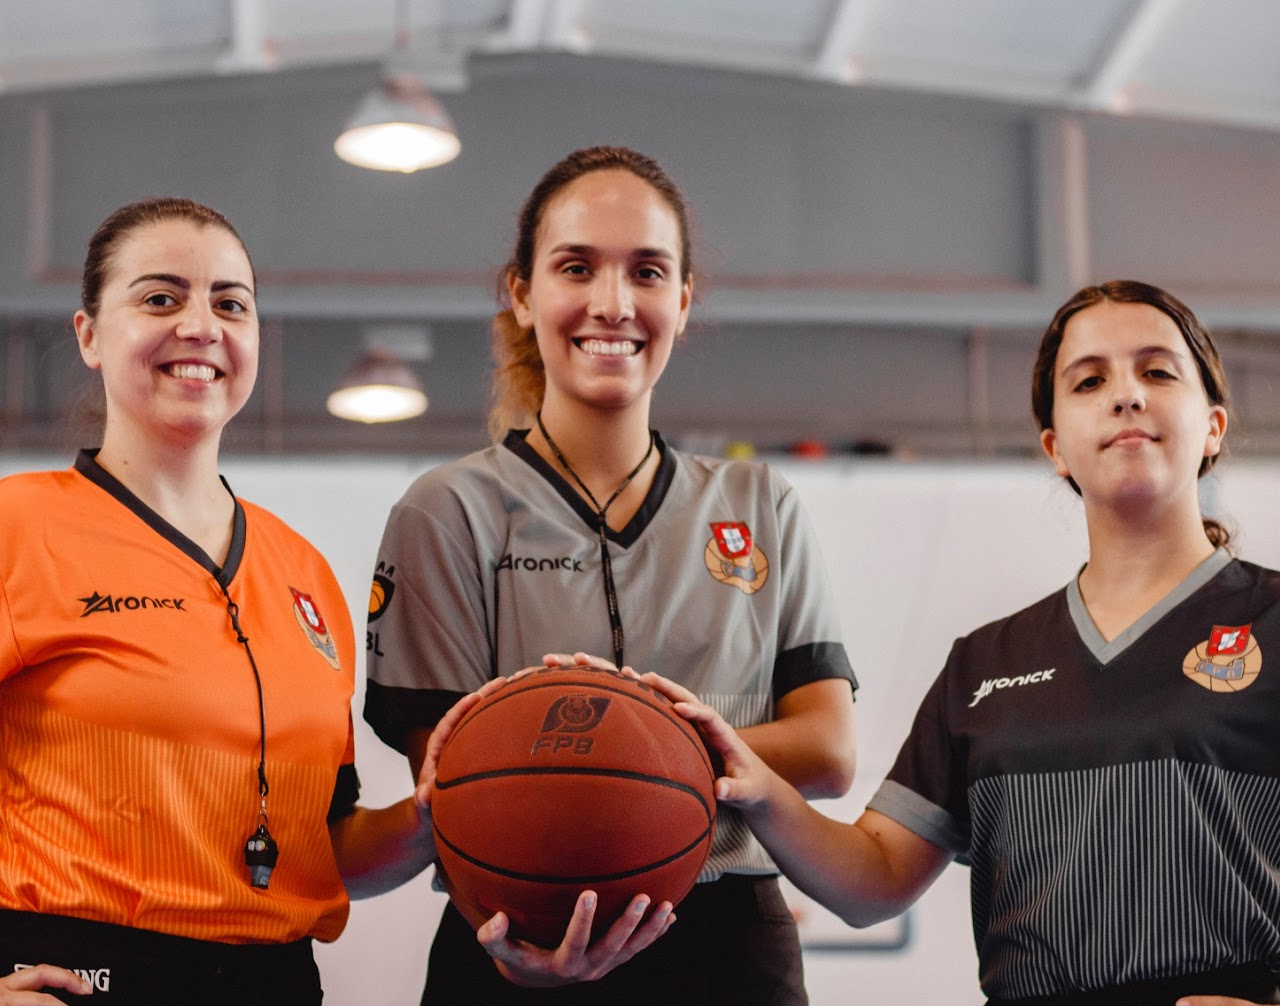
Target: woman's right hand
x: 576, y: 959
x: 440, y: 735
x: 22, y: 988
x: 747, y: 780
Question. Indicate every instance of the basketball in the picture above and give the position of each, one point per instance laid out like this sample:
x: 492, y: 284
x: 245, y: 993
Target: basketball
x: 568, y: 780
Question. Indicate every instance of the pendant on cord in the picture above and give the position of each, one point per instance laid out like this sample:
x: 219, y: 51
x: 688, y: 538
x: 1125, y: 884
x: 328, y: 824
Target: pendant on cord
x: 260, y: 855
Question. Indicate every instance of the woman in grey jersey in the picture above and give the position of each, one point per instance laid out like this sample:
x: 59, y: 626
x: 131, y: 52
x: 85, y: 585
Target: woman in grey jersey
x: 1106, y: 760
x: 583, y: 531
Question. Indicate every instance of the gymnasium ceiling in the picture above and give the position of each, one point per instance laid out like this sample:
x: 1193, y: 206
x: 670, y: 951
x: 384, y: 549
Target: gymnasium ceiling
x: 905, y: 316
x: 1206, y: 60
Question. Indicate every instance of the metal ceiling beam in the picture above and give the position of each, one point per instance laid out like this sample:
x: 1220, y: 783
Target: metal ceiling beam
x: 837, y: 56
x: 1105, y: 88
x: 927, y: 77
x: 526, y: 20
x: 566, y: 26
x: 248, y: 50
x: 542, y: 24
x: 1064, y: 244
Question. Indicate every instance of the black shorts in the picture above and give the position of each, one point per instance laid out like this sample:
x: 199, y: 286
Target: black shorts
x: 734, y: 941
x: 137, y: 967
x: 1254, y: 983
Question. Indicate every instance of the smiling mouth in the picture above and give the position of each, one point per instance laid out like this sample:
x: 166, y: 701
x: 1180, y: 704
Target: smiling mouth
x: 192, y: 371
x: 609, y: 347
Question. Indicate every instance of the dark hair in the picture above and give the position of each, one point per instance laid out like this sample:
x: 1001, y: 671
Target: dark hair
x: 519, y: 379
x: 1128, y: 291
x: 127, y: 219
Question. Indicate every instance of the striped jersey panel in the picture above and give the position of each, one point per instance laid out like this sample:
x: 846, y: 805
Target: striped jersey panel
x: 735, y: 849
x: 1139, y: 869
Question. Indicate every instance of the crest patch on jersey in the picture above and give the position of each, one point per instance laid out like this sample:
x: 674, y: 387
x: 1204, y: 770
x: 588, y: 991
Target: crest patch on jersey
x: 733, y: 538
x: 313, y: 627
x: 733, y: 558
x: 1228, y: 661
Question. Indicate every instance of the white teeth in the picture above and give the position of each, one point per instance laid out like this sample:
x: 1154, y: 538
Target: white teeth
x: 609, y: 347
x: 192, y: 371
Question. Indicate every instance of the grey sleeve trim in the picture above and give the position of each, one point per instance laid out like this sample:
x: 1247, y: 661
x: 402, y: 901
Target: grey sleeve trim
x: 926, y: 819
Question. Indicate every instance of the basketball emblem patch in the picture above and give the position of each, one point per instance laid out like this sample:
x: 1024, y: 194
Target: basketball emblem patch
x: 380, y: 592
x: 1228, y: 661
x: 313, y: 627
x: 733, y: 558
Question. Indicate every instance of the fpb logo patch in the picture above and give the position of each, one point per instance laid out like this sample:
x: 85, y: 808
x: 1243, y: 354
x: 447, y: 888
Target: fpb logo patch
x: 575, y: 714
x: 733, y: 558
x: 313, y: 627
x: 1228, y: 661
x: 569, y: 717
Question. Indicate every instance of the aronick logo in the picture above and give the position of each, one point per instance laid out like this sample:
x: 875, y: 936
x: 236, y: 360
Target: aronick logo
x: 992, y: 684
x: 536, y: 565
x: 106, y: 602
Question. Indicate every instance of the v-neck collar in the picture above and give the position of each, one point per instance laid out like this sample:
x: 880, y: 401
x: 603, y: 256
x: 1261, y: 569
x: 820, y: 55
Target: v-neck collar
x: 87, y: 465
x: 516, y: 441
x: 1105, y: 651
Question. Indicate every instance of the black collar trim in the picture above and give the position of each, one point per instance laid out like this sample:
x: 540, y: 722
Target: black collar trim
x: 87, y: 465
x: 516, y: 443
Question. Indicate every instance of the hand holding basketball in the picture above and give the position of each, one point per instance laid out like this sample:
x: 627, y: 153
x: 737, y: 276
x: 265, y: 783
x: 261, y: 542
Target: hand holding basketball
x: 747, y: 779
x: 440, y: 736
x: 576, y: 959
x: 444, y: 729
x: 563, y: 781
x: 580, y: 659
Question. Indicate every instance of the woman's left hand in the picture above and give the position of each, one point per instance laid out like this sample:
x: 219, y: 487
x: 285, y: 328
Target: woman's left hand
x: 576, y: 959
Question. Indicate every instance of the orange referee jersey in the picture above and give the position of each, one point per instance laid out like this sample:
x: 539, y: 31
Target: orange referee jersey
x: 129, y: 720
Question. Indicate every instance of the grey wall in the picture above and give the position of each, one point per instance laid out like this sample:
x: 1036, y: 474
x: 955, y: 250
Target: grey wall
x: 871, y: 265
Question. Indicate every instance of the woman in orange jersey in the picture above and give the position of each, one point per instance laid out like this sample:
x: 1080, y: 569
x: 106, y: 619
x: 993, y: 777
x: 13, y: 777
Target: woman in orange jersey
x: 177, y: 789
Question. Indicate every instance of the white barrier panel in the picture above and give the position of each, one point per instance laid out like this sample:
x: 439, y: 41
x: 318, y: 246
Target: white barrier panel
x: 918, y: 554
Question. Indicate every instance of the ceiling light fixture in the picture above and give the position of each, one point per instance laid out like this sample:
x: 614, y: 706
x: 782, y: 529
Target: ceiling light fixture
x: 399, y: 125
x: 381, y: 387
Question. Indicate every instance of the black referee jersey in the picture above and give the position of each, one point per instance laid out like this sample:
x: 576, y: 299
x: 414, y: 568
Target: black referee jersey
x: 1117, y: 800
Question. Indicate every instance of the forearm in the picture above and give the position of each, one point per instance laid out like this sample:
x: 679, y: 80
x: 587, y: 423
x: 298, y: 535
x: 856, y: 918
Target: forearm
x: 810, y: 742
x: 864, y: 872
x: 805, y: 761
x: 377, y: 850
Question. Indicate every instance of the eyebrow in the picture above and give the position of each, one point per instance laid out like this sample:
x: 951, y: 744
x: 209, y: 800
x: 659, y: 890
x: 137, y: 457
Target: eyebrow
x: 1145, y: 352
x: 181, y: 281
x: 573, y: 249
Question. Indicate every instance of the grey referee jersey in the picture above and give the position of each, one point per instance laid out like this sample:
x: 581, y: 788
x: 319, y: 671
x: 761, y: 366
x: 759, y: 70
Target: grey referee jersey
x: 490, y: 562
x: 1117, y: 800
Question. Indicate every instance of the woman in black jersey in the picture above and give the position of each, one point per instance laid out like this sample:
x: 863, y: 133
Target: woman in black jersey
x: 1106, y: 760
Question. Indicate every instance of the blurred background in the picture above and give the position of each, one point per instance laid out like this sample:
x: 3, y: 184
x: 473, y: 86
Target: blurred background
x: 890, y: 199
x: 890, y: 196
